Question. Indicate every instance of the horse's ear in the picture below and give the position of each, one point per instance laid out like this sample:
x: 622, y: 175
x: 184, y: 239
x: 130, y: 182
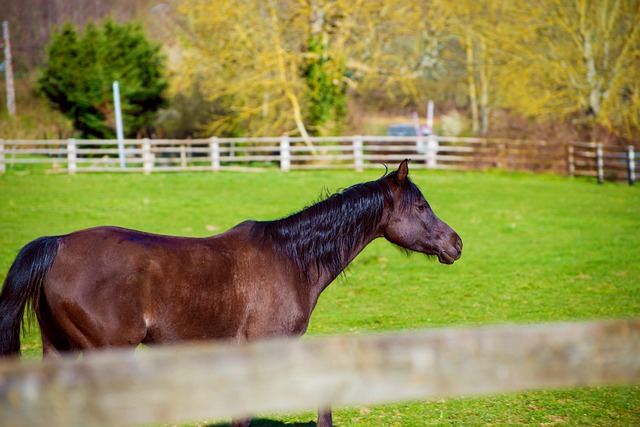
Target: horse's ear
x: 403, y: 172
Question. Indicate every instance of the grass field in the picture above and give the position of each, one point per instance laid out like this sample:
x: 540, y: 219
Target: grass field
x: 536, y: 249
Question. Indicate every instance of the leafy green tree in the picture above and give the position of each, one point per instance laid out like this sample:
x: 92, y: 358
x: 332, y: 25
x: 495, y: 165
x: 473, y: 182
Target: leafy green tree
x: 81, y: 68
x: 326, y: 90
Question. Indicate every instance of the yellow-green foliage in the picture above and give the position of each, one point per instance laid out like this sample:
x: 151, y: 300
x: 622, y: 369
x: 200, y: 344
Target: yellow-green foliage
x: 558, y: 60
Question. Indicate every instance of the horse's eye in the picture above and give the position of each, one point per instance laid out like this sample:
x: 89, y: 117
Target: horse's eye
x: 422, y: 207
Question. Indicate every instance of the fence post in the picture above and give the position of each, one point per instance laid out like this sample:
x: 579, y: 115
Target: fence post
x: 285, y: 153
x: 358, y: 154
x: 432, y: 151
x: 147, y: 158
x: 71, y: 156
x: 3, y: 166
x: 183, y: 156
x: 632, y: 165
x: 600, y: 163
x: 214, y: 149
x: 572, y: 162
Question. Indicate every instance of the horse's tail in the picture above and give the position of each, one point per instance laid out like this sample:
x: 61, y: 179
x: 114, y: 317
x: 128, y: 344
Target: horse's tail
x: 22, y: 287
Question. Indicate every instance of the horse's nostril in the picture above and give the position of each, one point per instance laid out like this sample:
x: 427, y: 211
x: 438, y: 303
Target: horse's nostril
x: 456, y: 242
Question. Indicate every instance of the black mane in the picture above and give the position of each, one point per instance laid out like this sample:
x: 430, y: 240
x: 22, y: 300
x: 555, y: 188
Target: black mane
x: 321, y: 236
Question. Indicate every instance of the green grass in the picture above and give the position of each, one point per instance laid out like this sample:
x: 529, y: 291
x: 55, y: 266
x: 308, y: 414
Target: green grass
x: 536, y: 249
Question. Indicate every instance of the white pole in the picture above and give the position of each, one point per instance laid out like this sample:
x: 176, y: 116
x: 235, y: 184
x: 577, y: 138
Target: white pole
x: 8, y: 70
x: 416, y: 124
x: 430, y: 116
x: 420, y: 148
x: 119, y: 132
x: 432, y: 142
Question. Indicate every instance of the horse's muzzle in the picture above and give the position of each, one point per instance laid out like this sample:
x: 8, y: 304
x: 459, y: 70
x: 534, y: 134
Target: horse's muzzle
x: 451, y: 251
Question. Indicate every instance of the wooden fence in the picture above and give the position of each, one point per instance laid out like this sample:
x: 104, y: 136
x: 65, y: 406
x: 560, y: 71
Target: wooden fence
x: 604, y: 162
x: 358, y: 152
x: 172, y: 384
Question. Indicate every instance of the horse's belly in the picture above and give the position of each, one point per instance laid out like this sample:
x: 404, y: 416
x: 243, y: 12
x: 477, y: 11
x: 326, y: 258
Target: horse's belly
x: 228, y: 311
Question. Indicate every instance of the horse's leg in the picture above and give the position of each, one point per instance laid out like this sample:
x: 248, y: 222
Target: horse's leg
x: 54, y: 342
x: 241, y: 423
x: 49, y: 351
x: 325, y: 418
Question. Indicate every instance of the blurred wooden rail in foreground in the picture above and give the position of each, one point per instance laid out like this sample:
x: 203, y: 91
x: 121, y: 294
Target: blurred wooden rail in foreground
x: 211, y: 381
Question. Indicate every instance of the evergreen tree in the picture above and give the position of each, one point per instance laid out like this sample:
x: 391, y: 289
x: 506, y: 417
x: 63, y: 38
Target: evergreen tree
x: 81, y: 68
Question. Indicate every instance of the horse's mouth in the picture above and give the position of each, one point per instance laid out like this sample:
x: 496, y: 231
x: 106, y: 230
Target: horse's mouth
x: 445, y: 258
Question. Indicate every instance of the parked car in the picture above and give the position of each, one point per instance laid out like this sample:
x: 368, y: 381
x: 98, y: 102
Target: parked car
x: 410, y: 130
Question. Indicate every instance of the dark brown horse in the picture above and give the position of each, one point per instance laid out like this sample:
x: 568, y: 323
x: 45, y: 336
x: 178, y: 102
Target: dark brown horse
x: 113, y: 287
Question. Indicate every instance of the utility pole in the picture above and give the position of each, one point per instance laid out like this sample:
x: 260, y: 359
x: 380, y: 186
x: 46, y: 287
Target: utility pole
x: 8, y: 70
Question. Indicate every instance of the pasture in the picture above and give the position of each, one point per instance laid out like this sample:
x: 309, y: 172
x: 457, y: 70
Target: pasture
x: 536, y: 249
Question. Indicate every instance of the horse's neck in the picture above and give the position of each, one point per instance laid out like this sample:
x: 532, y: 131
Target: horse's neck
x: 323, y: 239
x: 326, y: 276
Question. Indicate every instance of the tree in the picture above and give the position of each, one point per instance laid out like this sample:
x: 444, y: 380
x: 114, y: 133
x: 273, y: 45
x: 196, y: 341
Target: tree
x: 560, y: 61
x: 574, y: 59
x: 476, y: 28
x: 80, y: 71
x: 284, y: 67
x: 326, y: 89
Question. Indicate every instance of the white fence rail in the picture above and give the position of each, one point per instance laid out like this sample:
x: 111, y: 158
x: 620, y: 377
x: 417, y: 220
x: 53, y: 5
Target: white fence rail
x: 213, y: 381
x: 357, y: 152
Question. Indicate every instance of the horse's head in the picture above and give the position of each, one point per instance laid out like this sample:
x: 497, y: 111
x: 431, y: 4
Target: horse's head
x: 413, y: 225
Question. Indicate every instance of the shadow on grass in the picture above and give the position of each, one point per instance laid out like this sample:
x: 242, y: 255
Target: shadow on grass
x: 262, y: 422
